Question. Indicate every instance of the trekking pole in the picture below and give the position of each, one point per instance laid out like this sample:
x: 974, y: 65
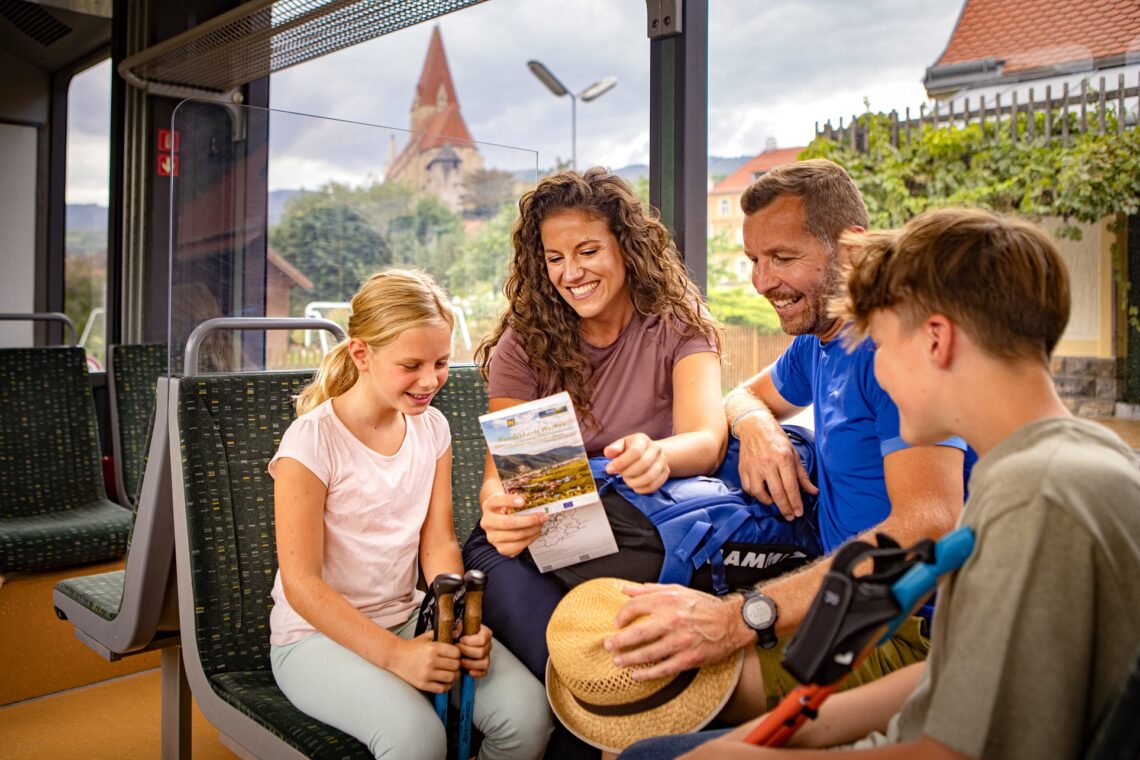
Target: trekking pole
x: 444, y: 587
x: 909, y: 591
x: 473, y: 583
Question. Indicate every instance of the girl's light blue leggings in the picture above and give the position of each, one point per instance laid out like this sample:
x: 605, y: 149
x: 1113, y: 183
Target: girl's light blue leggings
x: 394, y: 719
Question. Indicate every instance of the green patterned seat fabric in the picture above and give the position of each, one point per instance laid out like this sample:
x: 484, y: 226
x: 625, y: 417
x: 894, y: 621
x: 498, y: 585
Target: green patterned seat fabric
x: 462, y: 400
x: 53, y: 508
x: 101, y: 593
x: 135, y: 370
x: 230, y: 426
x: 256, y: 695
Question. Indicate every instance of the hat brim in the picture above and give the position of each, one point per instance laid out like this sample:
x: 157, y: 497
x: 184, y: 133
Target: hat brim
x: 689, y: 711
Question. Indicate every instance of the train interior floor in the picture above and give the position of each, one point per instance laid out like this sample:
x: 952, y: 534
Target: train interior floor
x: 60, y: 699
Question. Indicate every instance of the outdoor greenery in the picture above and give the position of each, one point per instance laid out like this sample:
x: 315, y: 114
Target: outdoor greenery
x: 1094, y: 177
x: 731, y: 301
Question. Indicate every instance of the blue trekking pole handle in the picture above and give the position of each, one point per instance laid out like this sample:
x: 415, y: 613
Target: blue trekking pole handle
x: 444, y: 587
x: 473, y: 582
x: 950, y: 553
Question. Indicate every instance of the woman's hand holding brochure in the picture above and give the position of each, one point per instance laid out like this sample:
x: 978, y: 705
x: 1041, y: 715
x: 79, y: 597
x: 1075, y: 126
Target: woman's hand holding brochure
x: 536, y: 450
x: 508, y: 532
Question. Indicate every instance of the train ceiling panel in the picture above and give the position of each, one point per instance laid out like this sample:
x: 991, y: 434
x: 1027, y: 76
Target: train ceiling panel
x: 55, y: 33
x: 261, y: 37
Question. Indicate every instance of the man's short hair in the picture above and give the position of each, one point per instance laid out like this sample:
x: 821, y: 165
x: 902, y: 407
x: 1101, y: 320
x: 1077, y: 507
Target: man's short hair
x: 1002, y: 279
x: 832, y: 202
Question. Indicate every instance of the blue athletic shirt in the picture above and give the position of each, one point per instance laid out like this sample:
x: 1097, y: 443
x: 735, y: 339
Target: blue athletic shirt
x: 856, y: 427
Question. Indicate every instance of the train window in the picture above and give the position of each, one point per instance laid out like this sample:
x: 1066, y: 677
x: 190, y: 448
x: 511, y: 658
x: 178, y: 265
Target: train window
x: 88, y: 183
x: 285, y: 214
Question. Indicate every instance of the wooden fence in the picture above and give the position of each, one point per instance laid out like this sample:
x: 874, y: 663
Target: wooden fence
x: 747, y: 351
x: 1063, y: 112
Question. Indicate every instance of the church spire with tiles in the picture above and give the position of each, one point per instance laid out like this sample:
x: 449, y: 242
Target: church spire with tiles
x: 440, y: 151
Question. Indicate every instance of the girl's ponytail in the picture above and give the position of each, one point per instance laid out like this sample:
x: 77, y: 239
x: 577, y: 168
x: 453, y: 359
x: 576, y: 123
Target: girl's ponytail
x: 336, y: 375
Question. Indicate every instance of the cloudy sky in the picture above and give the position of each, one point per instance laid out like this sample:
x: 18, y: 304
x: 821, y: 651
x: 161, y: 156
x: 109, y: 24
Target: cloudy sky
x: 775, y: 68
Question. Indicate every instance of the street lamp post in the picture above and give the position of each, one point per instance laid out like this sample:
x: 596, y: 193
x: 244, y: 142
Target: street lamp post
x: 593, y: 92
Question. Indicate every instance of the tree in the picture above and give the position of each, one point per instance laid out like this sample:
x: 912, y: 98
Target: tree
x: 1096, y: 176
x: 482, y: 260
x: 400, y: 226
x: 332, y: 245
x: 485, y: 191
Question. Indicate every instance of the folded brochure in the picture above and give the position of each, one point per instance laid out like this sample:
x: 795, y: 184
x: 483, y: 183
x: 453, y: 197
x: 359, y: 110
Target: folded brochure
x: 538, y: 452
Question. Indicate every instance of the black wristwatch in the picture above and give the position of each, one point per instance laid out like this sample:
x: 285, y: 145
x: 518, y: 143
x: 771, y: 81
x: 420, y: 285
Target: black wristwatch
x: 760, y: 614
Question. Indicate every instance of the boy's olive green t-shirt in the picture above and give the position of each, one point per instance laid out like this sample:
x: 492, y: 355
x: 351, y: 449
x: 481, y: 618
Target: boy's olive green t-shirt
x: 1033, y: 637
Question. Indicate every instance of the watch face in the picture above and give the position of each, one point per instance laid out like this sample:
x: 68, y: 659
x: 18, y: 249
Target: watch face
x: 758, y: 612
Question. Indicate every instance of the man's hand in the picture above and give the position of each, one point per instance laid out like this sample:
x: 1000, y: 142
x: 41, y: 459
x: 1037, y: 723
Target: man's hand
x: 681, y: 627
x: 770, y: 468
x: 640, y: 461
x: 507, y: 532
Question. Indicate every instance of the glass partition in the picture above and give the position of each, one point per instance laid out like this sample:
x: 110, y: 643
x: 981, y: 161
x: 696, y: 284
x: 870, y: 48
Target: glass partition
x: 281, y: 214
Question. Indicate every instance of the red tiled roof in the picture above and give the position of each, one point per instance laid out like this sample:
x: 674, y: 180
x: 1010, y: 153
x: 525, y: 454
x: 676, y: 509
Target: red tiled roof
x: 444, y: 128
x: 446, y: 125
x: 1027, y: 34
x: 739, y: 180
x: 435, y: 74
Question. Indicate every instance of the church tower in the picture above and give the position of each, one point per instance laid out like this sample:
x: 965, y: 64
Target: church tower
x: 440, y: 152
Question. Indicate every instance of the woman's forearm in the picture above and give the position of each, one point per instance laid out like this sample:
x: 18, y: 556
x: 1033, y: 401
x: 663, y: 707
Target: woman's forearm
x: 695, y: 453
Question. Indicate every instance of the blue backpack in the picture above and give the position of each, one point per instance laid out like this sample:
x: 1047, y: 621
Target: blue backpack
x: 716, y: 536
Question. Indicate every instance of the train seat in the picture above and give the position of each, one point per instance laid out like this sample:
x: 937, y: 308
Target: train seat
x: 121, y: 612
x: 225, y: 429
x: 132, y: 372
x: 54, y: 510
x: 462, y: 400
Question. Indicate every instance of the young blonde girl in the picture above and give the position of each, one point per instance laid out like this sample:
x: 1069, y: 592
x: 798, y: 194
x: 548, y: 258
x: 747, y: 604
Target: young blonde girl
x: 362, y: 499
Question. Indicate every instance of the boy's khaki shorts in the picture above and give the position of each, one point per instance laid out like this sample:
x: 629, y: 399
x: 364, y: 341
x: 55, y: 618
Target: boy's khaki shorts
x: 906, y: 647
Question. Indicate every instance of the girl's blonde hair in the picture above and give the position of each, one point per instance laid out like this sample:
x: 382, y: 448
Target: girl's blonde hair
x: 388, y: 303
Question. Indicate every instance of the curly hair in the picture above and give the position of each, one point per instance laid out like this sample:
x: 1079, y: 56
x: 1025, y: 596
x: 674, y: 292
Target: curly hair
x: 546, y: 325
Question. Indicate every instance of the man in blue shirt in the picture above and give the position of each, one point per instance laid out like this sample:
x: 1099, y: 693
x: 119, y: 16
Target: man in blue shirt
x: 869, y: 479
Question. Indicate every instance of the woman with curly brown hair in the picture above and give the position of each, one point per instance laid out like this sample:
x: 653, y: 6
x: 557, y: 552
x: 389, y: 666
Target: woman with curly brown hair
x: 600, y: 306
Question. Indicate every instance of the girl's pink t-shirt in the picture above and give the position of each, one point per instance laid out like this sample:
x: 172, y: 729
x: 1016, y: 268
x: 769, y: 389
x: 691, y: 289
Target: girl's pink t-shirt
x: 374, y: 510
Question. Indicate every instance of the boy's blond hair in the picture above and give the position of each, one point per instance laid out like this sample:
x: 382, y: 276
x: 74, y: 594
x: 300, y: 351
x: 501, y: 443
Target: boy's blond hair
x: 1002, y: 279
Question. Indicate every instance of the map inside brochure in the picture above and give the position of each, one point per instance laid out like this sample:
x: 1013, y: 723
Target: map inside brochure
x: 538, y: 452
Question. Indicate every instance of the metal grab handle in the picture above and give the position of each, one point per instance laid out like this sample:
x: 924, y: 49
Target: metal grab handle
x: 44, y: 316
x: 194, y: 342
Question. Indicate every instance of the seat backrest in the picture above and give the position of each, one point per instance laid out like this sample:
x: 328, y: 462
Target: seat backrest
x: 229, y: 427
x: 132, y: 371
x: 462, y: 400
x: 49, y: 441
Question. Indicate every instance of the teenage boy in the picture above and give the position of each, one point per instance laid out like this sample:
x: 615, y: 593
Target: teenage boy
x: 1033, y: 636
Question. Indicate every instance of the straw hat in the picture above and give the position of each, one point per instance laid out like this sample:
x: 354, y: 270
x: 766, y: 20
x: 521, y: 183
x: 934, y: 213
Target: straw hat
x: 601, y: 703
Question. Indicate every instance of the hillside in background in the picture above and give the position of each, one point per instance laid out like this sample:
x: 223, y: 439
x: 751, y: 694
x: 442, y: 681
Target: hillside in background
x: 86, y: 216
x: 83, y: 217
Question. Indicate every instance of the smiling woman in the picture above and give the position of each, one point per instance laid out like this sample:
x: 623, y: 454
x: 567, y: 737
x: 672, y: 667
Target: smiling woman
x: 600, y: 306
